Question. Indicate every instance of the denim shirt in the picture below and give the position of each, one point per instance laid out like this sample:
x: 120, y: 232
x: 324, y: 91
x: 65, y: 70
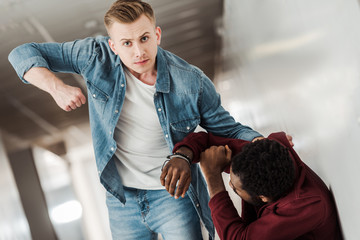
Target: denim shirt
x: 185, y: 98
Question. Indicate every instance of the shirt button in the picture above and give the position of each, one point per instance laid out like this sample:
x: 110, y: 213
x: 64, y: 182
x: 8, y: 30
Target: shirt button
x: 94, y: 95
x: 112, y: 149
x: 188, y: 128
x: 159, y: 109
x: 110, y: 132
x: 197, y: 205
x: 116, y: 111
x: 122, y: 85
x: 166, y: 136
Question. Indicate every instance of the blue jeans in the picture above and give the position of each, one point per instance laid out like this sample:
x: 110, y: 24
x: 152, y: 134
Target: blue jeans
x: 149, y: 212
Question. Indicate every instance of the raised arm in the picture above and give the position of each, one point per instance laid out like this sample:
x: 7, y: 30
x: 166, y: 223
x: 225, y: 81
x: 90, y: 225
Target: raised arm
x: 213, y: 161
x: 36, y: 63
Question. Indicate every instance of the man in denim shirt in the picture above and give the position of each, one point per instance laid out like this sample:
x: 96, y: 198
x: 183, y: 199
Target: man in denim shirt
x: 166, y: 98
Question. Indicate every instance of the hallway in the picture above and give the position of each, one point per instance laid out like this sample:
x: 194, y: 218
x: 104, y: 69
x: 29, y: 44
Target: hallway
x: 278, y: 66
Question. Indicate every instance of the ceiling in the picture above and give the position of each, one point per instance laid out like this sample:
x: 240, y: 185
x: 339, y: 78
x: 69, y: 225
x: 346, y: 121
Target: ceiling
x: 30, y: 116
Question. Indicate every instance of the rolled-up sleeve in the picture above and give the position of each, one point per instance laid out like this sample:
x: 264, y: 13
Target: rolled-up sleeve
x: 25, y: 57
x: 67, y: 57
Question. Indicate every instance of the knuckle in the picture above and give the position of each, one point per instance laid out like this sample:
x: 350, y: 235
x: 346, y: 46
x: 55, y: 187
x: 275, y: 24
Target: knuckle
x: 172, y: 169
x: 221, y: 148
x: 165, y: 168
x: 185, y: 173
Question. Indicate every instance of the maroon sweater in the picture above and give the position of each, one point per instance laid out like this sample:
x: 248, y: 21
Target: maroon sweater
x: 307, y: 212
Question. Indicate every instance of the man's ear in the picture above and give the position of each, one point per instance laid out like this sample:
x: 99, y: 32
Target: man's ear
x: 158, y: 35
x: 264, y: 199
x: 112, y: 46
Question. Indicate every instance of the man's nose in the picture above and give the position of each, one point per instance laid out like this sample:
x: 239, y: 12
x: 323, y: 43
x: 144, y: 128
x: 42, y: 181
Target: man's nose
x: 138, y: 50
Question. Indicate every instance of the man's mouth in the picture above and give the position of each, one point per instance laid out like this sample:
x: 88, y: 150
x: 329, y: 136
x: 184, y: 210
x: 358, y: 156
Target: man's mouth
x: 142, y: 62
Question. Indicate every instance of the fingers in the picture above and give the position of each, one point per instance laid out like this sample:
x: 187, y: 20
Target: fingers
x: 289, y: 137
x: 183, y: 185
x: 178, y: 184
x: 73, y: 105
x: 186, y: 187
x: 163, y: 174
x: 228, y: 153
x: 82, y: 98
x: 176, y: 177
x: 170, y: 187
x: 257, y: 138
x: 166, y: 177
x: 78, y: 103
x: 215, y: 159
x: 69, y: 98
x: 168, y: 181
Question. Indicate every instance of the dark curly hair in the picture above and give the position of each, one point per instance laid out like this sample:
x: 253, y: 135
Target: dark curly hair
x: 264, y: 168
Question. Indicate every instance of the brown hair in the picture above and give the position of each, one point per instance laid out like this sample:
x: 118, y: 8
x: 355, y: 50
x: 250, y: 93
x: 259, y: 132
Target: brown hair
x: 128, y: 11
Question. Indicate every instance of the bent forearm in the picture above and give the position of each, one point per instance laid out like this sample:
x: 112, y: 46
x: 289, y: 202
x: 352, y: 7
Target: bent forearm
x: 43, y: 78
x: 215, y: 184
x: 66, y: 97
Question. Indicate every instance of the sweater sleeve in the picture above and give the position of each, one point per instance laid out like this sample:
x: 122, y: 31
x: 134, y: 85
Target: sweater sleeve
x: 197, y: 142
x: 225, y: 217
x: 200, y: 141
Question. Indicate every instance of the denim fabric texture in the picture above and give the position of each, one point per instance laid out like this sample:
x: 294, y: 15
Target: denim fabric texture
x: 148, y: 212
x: 185, y: 98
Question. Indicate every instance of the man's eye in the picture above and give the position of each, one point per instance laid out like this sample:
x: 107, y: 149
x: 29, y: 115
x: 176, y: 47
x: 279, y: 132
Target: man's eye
x: 126, y: 44
x: 143, y: 39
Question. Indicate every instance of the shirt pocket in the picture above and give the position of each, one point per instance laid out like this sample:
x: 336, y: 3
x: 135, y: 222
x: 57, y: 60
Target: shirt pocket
x: 97, y: 97
x: 182, y: 128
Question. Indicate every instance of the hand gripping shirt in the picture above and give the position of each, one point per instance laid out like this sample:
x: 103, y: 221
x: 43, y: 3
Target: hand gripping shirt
x: 306, y: 212
x: 184, y: 98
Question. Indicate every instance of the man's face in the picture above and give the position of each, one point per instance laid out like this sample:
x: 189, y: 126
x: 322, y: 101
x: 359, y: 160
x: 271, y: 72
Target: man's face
x: 236, y: 185
x: 136, y: 44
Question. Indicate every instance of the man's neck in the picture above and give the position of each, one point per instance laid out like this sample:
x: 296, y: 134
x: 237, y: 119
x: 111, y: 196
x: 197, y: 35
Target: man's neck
x: 148, y: 78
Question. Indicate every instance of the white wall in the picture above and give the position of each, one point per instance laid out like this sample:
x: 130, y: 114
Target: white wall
x: 294, y: 66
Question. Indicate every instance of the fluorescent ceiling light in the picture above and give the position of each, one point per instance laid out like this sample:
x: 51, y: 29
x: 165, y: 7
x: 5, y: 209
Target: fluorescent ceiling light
x: 66, y: 212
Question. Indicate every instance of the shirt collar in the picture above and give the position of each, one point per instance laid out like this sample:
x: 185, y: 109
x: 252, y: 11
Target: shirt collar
x: 163, y: 73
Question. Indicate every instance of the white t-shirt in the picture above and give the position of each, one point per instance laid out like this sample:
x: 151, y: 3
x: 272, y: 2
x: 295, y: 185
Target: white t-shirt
x: 141, y: 146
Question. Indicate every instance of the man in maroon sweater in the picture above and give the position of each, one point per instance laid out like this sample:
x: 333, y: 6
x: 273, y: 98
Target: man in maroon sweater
x: 282, y: 198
